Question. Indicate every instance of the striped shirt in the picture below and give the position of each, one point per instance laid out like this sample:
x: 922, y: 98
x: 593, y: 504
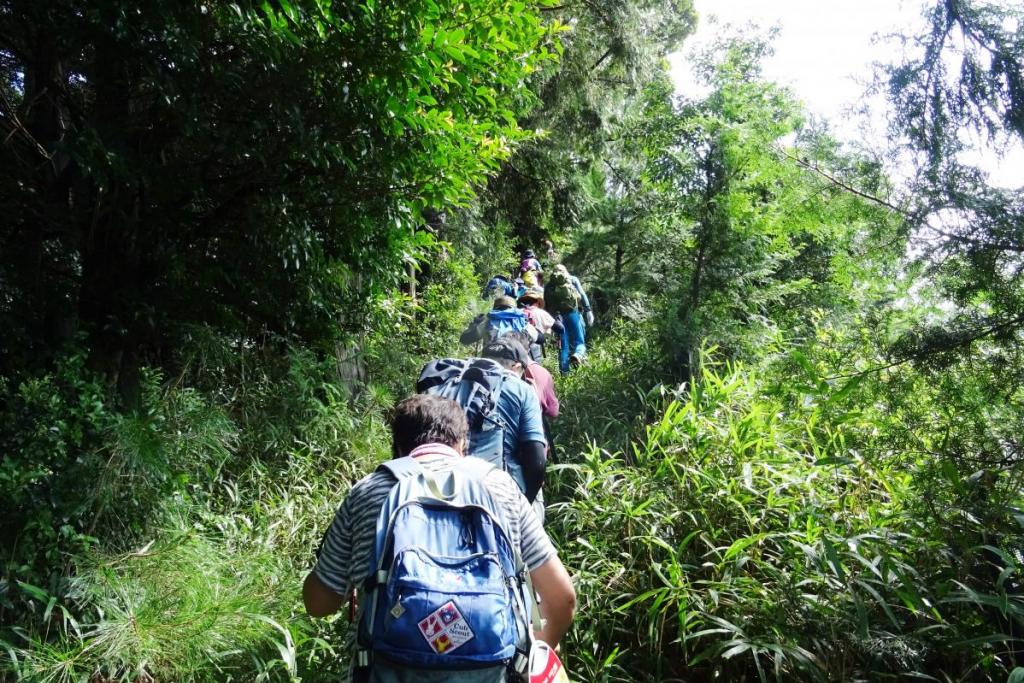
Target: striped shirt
x: 348, y: 545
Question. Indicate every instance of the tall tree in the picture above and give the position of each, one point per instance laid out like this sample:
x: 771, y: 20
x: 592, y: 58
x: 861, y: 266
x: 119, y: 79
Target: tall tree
x: 718, y: 203
x: 958, y: 94
x: 256, y: 167
x: 611, y: 52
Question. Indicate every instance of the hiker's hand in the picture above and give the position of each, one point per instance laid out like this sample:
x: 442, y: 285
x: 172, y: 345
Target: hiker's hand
x: 539, y: 635
x: 590, y: 318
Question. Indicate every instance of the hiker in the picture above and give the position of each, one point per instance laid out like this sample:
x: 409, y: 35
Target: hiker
x: 530, y: 264
x: 532, y: 304
x: 565, y: 297
x: 549, y: 251
x: 543, y: 385
x: 419, y: 621
x: 504, y: 415
x: 538, y: 377
x: 503, y: 318
x: 499, y: 285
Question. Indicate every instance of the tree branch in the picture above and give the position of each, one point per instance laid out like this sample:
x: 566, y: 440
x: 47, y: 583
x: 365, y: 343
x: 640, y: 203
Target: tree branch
x: 1002, y: 246
x: 606, y: 55
x: 803, y: 163
x: 18, y: 127
x: 977, y: 335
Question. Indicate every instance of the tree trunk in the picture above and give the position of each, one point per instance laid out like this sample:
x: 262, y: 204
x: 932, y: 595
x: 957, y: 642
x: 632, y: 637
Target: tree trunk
x: 111, y: 254
x: 620, y: 253
x: 705, y: 234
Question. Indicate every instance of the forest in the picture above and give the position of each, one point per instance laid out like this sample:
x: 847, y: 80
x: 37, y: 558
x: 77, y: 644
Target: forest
x: 232, y: 232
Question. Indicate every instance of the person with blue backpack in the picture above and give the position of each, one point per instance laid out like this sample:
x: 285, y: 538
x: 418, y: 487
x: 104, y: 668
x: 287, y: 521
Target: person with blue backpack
x: 502, y: 319
x: 505, y: 423
x: 499, y: 285
x: 444, y: 550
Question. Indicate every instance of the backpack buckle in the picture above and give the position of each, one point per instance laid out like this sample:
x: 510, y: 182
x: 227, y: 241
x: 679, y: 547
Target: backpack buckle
x: 520, y: 662
x: 362, y: 659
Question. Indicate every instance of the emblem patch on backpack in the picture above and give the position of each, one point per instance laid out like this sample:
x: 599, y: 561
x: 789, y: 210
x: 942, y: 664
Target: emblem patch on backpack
x: 445, y: 630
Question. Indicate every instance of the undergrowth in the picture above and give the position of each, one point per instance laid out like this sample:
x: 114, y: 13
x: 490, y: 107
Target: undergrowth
x: 744, y: 535
x: 738, y: 528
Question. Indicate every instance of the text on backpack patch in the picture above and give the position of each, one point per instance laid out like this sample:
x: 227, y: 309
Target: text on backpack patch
x: 445, y: 630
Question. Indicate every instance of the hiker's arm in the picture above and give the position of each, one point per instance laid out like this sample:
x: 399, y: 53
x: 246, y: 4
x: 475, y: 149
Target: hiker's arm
x: 583, y: 295
x: 530, y: 437
x: 324, y: 589
x: 557, y: 599
x: 551, y: 405
x: 533, y: 461
x: 320, y: 600
x: 471, y: 334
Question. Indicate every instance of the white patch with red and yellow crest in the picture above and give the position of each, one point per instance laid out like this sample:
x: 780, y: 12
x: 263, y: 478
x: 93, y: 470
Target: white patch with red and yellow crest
x: 445, y: 630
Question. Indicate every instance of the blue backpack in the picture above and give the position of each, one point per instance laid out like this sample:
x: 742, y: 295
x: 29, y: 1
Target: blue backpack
x: 498, y: 286
x: 446, y: 588
x: 476, y: 386
x: 500, y: 323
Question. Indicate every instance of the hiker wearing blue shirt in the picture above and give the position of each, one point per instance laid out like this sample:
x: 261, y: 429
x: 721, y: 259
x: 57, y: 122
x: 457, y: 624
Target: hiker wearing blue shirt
x: 506, y: 427
x: 418, y: 622
x: 524, y: 442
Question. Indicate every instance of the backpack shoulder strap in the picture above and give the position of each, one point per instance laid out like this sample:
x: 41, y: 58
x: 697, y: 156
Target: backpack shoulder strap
x: 476, y: 468
x: 402, y: 468
x: 492, y: 369
x: 524, y: 605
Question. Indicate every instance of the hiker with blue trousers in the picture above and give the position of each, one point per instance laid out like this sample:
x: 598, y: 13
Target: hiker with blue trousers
x: 413, y: 535
x: 566, y: 298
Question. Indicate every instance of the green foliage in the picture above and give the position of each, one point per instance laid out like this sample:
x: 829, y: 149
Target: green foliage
x: 201, y: 583
x: 720, y: 204
x: 172, y: 609
x: 613, y: 50
x: 751, y: 535
x: 238, y: 229
x: 623, y: 368
x: 407, y: 335
x: 956, y: 96
x: 60, y: 431
x: 258, y: 168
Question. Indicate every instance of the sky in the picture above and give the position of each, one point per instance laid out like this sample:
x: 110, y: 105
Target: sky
x: 824, y: 52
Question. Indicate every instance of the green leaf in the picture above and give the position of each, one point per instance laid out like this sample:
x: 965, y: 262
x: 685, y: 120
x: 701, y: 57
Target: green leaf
x: 35, y: 591
x: 289, y: 10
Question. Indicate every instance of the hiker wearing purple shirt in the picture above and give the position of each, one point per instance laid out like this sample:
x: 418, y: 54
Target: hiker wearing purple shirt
x: 530, y: 263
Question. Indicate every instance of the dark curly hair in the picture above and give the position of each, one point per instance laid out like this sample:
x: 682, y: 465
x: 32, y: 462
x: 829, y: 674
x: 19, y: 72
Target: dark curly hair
x: 422, y: 419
